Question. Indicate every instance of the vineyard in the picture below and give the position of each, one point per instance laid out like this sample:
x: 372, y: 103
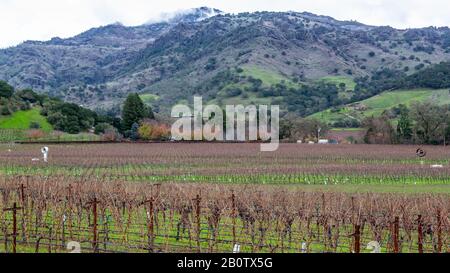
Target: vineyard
x: 215, y: 197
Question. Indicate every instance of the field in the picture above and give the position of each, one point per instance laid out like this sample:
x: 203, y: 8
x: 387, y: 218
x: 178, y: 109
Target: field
x: 21, y: 120
x: 193, y: 197
x: 349, y: 83
x: 268, y: 77
x: 375, y: 106
x: 149, y: 98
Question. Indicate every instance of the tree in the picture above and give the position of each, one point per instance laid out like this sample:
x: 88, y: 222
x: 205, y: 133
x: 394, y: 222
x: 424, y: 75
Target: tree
x: 6, y: 90
x: 111, y: 134
x: 102, y: 127
x: 133, y: 111
x: 379, y: 130
x: 69, y: 117
x: 286, y: 126
x: 404, y: 126
x: 4, y: 110
x: 430, y: 120
x: 29, y: 95
x: 306, y: 129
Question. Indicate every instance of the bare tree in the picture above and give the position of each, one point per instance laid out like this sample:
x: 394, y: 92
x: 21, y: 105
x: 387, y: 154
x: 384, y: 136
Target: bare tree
x: 429, y: 121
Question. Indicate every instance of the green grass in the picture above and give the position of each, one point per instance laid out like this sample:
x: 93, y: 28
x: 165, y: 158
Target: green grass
x: 378, y: 104
x: 251, y: 99
x: 143, y: 173
x: 349, y: 82
x: 22, y: 120
x: 149, y: 98
x: 14, y: 127
x: 266, y: 76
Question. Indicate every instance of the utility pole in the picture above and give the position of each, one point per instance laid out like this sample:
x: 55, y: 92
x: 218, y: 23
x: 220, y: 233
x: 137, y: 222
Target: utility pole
x: 318, y: 134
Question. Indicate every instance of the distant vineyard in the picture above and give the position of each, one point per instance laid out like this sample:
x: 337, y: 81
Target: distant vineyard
x: 335, y: 165
x: 19, y: 135
x: 11, y: 135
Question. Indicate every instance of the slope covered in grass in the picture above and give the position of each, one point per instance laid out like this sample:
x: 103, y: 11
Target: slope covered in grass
x: 23, y: 119
x: 349, y: 82
x: 376, y: 105
x: 149, y: 98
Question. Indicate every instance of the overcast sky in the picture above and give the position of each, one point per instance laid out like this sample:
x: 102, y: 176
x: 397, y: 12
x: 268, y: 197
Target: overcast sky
x: 22, y: 20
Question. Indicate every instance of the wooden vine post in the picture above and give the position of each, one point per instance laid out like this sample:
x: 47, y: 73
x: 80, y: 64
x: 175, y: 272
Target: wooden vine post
x: 439, y: 231
x: 151, y: 235
x: 396, y: 235
x: 420, y: 234
x: 94, y: 225
x: 23, y: 200
x: 197, y: 216
x: 233, y: 216
x: 357, y: 236
x: 14, y: 210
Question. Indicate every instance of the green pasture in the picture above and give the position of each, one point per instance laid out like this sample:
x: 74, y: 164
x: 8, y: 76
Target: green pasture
x: 23, y: 119
x: 376, y: 105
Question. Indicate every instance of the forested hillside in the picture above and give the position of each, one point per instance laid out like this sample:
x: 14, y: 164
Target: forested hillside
x: 304, y: 62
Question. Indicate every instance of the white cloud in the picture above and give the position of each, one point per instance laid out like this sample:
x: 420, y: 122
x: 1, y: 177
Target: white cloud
x: 41, y: 20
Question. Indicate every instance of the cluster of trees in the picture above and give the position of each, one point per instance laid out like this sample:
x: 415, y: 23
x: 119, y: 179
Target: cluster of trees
x: 435, y: 76
x: 293, y: 128
x: 422, y: 123
x: 138, y: 121
x: 11, y: 101
x: 309, y: 99
x: 303, y: 99
x: 69, y: 117
x: 65, y: 117
x: 382, y: 80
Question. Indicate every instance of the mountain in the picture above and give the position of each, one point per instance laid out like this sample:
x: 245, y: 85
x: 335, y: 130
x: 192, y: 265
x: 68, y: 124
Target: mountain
x: 224, y: 57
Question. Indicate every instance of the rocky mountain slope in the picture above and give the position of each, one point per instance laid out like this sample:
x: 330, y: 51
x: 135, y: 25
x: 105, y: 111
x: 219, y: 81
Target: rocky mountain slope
x: 194, y: 53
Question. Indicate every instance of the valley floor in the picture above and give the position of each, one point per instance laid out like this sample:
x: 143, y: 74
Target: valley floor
x: 208, y: 197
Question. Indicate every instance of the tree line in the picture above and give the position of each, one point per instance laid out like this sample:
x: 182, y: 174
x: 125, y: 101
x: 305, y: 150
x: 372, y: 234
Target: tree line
x: 421, y: 123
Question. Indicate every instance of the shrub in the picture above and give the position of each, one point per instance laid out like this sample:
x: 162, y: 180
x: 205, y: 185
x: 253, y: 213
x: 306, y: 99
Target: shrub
x: 34, y: 125
x: 101, y: 128
x: 111, y: 134
x: 5, y: 111
x: 35, y: 134
x: 145, y: 131
x: 153, y: 131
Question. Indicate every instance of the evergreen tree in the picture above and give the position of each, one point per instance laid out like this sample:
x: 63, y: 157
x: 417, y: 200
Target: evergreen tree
x: 6, y: 90
x: 133, y: 111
